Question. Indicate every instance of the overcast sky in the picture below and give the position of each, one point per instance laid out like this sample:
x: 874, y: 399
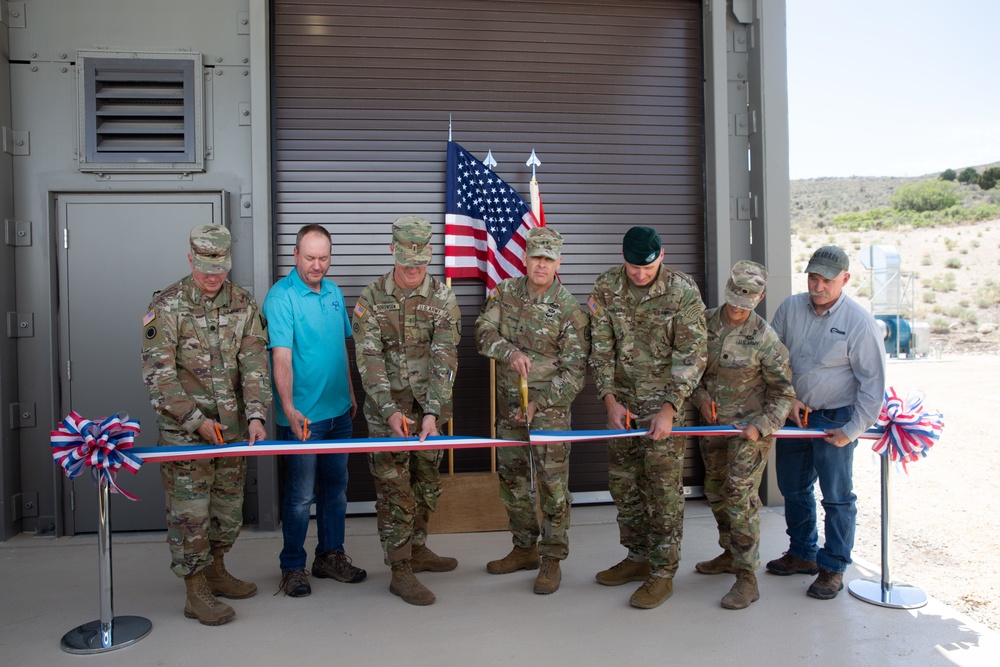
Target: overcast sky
x: 892, y: 87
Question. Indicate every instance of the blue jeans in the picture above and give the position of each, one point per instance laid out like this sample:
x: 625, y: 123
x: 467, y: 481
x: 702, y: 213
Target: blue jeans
x: 326, y: 474
x: 799, y: 463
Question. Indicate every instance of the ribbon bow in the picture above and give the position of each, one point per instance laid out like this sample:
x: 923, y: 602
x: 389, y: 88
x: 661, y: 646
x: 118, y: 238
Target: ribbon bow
x: 909, y: 429
x: 79, y: 443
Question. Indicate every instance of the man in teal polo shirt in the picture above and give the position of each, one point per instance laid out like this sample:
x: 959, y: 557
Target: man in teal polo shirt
x: 314, y: 400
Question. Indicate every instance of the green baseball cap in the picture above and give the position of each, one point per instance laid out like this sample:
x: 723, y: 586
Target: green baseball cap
x: 641, y: 246
x: 828, y: 262
x: 411, y: 237
x: 543, y: 242
x: 746, y: 285
x: 210, y: 249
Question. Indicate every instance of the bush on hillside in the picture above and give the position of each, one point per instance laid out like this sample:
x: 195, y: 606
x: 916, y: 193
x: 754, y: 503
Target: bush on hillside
x: 989, y: 178
x: 948, y: 175
x: 969, y: 175
x: 925, y: 196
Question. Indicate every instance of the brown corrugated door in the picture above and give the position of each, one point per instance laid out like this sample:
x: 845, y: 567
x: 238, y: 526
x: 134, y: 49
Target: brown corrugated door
x: 608, y: 93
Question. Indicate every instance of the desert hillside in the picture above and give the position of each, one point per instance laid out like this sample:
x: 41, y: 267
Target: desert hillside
x: 950, y: 271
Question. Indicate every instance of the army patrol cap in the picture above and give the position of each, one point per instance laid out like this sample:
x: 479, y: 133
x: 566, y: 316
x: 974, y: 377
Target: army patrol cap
x: 543, y: 242
x: 828, y: 262
x: 210, y: 249
x: 746, y: 285
x: 641, y: 246
x: 411, y: 237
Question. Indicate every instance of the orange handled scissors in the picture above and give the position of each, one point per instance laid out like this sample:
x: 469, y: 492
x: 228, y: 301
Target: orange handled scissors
x: 805, y: 418
x: 406, y: 429
x: 218, y: 432
x: 305, y: 429
x: 628, y: 420
x: 713, y: 412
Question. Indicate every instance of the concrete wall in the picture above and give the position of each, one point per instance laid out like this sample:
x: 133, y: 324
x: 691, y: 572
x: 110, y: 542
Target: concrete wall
x: 43, y: 104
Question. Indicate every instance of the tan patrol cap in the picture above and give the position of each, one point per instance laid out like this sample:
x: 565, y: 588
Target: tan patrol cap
x: 543, y: 242
x: 746, y: 285
x: 411, y: 237
x: 210, y: 249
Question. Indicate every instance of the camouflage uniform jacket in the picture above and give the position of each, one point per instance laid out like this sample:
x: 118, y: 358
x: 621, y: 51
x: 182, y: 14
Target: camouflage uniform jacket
x: 650, y: 351
x: 205, y: 358
x: 748, y: 374
x: 407, y: 347
x: 551, y: 329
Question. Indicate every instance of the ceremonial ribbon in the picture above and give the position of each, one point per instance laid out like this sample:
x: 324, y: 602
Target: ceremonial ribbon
x: 78, y: 443
x: 909, y: 430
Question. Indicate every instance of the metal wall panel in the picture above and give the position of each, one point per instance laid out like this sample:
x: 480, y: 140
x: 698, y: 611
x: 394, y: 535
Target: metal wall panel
x: 609, y: 94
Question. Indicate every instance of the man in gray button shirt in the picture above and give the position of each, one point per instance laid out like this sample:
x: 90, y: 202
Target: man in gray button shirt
x: 838, y: 371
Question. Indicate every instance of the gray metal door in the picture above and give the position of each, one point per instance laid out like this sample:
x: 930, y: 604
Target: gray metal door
x: 117, y: 250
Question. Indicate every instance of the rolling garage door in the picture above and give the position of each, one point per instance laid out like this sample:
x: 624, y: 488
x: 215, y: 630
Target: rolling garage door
x: 608, y: 93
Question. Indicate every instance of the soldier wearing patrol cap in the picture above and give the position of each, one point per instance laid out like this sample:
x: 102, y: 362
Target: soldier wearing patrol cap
x: 535, y: 329
x: 747, y: 383
x: 406, y: 331
x: 204, y: 363
x: 647, y: 354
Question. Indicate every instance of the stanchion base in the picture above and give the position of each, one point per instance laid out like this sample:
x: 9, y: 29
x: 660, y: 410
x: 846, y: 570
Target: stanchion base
x: 897, y: 596
x: 125, y: 631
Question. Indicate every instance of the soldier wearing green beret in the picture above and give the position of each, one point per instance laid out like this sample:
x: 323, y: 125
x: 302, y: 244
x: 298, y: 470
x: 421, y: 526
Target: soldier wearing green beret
x: 535, y: 329
x: 406, y: 328
x: 647, y: 355
x: 747, y: 383
x: 204, y: 363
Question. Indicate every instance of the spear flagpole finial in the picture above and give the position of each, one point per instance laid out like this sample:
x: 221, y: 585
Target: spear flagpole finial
x: 489, y: 161
x: 533, y: 162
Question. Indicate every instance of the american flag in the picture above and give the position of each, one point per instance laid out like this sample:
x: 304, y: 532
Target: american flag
x: 485, y: 222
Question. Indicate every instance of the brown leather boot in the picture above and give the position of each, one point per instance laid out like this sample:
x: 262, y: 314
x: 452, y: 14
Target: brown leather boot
x: 721, y: 564
x: 827, y: 585
x: 743, y: 592
x: 202, y: 605
x: 653, y: 592
x: 223, y: 584
x: 406, y: 586
x: 519, y: 558
x: 624, y: 572
x: 548, y: 577
x: 423, y: 559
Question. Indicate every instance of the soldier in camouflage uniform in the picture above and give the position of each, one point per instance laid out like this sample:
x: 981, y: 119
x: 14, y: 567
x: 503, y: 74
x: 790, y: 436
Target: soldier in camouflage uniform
x: 535, y: 328
x: 748, y: 383
x: 647, y: 354
x: 406, y: 330
x: 204, y: 363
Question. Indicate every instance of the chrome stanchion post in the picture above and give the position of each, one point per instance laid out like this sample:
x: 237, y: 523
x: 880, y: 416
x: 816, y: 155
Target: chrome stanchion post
x: 885, y: 593
x: 107, y: 633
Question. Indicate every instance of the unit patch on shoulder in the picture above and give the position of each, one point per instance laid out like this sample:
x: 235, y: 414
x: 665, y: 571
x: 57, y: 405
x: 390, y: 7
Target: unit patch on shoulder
x: 150, y: 333
x: 148, y: 317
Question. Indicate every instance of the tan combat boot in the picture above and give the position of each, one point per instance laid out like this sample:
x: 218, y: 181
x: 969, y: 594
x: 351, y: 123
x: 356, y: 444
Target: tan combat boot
x: 406, y: 586
x: 548, y: 577
x: 423, y: 559
x: 743, y: 592
x: 223, y: 584
x: 519, y: 558
x: 723, y: 563
x: 202, y: 605
x: 653, y: 592
x: 624, y: 572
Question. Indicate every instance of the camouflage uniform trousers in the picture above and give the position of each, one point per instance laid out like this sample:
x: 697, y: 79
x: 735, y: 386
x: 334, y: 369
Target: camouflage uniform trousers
x: 733, y: 470
x: 407, y: 486
x: 204, y: 509
x: 645, y: 478
x: 552, y: 486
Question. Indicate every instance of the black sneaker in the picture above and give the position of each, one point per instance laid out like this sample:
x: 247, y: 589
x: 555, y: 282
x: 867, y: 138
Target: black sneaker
x: 294, y: 584
x: 337, y: 565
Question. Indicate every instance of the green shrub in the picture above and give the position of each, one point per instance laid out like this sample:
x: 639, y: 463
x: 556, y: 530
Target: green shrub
x: 948, y: 175
x: 925, y: 196
x: 929, y: 297
x: 969, y: 175
x: 926, y: 259
x: 988, y: 179
x: 953, y: 263
x: 940, y: 326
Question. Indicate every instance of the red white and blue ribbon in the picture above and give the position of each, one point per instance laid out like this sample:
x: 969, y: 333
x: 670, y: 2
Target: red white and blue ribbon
x: 910, y: 430
x: 551, y: 437
x: 79, y: 443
